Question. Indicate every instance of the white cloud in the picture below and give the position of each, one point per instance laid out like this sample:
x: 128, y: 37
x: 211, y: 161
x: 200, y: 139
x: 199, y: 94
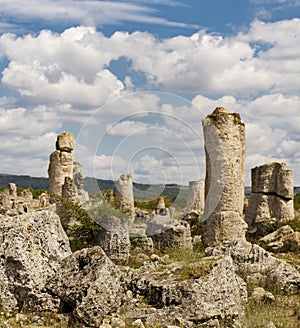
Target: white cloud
x: 64, y: 79
x: 127, y: 128
x: 83, y: 12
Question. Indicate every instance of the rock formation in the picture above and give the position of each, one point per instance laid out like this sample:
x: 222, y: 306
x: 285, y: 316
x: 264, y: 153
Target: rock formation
x: 210, y: 297
x: 61, y: 163
x: 89, y: 284
x: 124, y: 195
x: 65, y: 176
x: 169, y: 233
x: 284, y: 239
x: 161, y: 206
x: 272, y: 196
x: 114, y: 238
x: 78, y: 180
x: 69, y: 191
x: 196, y: 199
x: 224, y: 136
x: 252, y: 260
x: 31, y: 247
x: 13, y: 204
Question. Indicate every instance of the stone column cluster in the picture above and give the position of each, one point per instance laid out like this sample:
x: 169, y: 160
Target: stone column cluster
x: 272, y: 196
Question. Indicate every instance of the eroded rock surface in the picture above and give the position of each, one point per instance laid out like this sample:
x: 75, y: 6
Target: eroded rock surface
x: 251, y: 259
x: 216, y: 294
x: 114, y: 238
x: 83, y: 195
x: 284, y: 239
x: 272, y: 195
x: 88, y: 283
x: 31, y: 247
x: 166, y: 232
x: 61, y: 163
x: 124, y: 195
x: 224, y: 136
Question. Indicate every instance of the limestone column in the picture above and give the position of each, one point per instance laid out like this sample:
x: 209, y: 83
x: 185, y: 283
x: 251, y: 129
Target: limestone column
x: 272, y: 196
x: 195, y: 200
x: 225, y: 146
x: 61, y: 163
x: 124, y: 195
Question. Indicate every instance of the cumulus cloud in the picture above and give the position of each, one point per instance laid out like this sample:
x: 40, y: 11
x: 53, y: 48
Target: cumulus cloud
x: 65, y: 80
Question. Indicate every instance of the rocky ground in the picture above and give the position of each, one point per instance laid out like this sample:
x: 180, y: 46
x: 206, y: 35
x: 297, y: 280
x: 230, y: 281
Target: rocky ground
x: 44, y: 284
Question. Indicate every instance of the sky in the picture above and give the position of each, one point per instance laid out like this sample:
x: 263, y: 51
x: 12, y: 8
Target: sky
x: 132, y: 80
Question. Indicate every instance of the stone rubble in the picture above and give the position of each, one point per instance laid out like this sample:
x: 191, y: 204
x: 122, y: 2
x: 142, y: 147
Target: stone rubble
x: 13, y: 204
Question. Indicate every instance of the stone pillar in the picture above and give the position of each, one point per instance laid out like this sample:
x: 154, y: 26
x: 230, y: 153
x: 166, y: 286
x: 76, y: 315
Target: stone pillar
x: 83, y: 196
x: 69, y: 191
x: 272, y: 197
x: 61, y: 162
x: 161, y: 206
x: 124, y: 195
x: 224, y: 136
x: 195, y: 200
x: 12, y: 190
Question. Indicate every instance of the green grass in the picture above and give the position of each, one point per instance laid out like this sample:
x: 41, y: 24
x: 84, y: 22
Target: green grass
x: 284, y: 313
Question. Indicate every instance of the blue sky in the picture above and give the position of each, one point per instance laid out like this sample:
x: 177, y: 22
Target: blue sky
x: 132, y: 81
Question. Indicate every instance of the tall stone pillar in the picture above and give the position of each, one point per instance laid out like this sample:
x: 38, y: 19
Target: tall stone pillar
x: 124, y: 195
x: 61, y: 163
x: 196, y: 199
x: 225, y: 147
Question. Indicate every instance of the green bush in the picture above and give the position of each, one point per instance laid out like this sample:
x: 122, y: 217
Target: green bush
x: 79, y: 226
x: 150, y: 205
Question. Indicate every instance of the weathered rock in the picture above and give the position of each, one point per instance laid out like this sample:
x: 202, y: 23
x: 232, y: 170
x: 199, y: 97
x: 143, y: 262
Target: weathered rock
x: 196, y: 199
x: 61, y: 163
x: 12, y: 188
x: 31, y: 247
x: 65, y: 142
x: 161, y: 206
x: 271, y: 201
x: 78, y: 180
x: 124, y: 195
x: 69, y: 191
x: 88, y: 284
x: 6, y: 201
x: 284, y: 239
x: 251, y: 259
x: 224, y: 136
x: 259, y: 295
x: 169, y: 233
x: 217, y: 293
x: 114, y: 238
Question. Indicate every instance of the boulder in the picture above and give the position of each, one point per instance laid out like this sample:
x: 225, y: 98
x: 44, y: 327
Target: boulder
x: 65, y: 142
x: 215, y: 294
x: 31, y: 247
x: 284, y: 239
x: 251, y: 259
x: 114, y: 238
x: 88, y: 283
x: 167, y: 233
